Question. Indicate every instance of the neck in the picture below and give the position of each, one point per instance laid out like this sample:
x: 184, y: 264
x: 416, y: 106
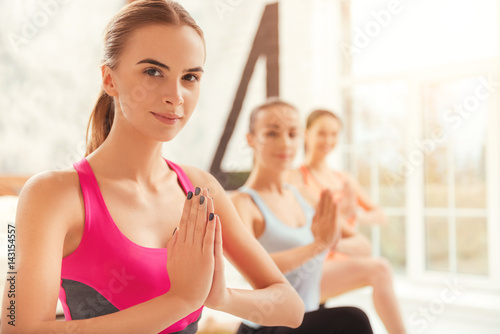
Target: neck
x: 126, y: 153
x: 315, y: 161
x: 265, y: 179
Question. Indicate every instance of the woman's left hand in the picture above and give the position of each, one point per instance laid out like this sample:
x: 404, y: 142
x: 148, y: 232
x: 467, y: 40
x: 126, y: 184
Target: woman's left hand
x: 218, y: 296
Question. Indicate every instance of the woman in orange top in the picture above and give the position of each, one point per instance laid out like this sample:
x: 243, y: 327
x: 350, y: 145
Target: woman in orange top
x: 349, y: 266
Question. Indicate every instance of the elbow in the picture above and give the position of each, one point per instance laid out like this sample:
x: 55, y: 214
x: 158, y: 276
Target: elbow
x: 297, y: 320
x: 296, y: 312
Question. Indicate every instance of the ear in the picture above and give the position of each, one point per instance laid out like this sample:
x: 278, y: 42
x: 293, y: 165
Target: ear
x: 107, y: 81
x: 250, y: 140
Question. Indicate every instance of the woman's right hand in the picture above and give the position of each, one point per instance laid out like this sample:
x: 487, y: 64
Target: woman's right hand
x: 190, y: 252
x: 326, y: 226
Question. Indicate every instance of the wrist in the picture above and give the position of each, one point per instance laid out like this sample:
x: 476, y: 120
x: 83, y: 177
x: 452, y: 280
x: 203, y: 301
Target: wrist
x: 225, y: 302
x: 319, y: 246
x: 188, y: 305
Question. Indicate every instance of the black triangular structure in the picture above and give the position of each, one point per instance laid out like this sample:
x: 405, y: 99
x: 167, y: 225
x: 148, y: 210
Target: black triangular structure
x: 266, y: 43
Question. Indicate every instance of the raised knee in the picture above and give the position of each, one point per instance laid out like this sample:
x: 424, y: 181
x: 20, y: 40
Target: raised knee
x: 381, y: 270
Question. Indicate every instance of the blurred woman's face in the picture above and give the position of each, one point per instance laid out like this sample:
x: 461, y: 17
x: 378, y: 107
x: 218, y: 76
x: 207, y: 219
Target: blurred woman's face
x: 276, y: 137
x: 157, y: 79
x: 322, y: 136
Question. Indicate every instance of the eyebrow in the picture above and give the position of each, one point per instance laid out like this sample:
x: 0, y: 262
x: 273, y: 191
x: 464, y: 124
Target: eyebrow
x: 159, y: 64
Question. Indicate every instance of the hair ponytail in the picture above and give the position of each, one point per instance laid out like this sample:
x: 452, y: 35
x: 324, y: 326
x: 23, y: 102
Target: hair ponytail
x: 100, y: 122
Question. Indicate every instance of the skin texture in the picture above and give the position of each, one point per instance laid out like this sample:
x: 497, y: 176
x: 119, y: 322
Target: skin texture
x: 147, y: 204
x: 359, y: 269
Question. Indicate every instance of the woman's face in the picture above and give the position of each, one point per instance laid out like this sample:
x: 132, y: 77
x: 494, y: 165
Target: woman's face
x: 275, y: 139
x: 157, y: 80
x: 322, y: 136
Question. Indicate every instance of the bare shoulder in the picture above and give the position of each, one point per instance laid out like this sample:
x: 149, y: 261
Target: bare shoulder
x: 201, y: 178
x: 54, y: 191
x: 241, y: 200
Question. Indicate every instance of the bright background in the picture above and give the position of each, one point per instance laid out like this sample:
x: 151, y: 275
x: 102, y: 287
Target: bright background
x: 416, y: 83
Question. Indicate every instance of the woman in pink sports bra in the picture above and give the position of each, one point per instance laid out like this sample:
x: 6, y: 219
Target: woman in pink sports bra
x: 122, y: 237
x: 349, y: 266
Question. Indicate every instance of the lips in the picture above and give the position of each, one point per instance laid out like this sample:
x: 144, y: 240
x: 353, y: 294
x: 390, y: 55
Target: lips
x: 283, y: 156
x: 168, y: 118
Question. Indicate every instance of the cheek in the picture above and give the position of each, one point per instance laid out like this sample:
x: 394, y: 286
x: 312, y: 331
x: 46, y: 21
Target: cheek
x: 191, y: 95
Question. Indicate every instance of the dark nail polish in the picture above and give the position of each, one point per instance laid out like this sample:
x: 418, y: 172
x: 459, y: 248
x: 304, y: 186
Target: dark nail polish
x: 190, y: 194
x: 211, y: 216
x: 202, y: 199
x: 175, y: 230
x: 197, y: 191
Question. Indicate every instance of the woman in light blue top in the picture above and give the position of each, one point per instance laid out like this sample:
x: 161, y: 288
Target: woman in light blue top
x: 296, y: 236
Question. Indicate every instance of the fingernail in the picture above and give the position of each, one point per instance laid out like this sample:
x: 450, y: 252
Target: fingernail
x: 197, y: 191
x: 190, y: 194
x: 175, y: 230
x: 202, y: 199
x: 211, y: 216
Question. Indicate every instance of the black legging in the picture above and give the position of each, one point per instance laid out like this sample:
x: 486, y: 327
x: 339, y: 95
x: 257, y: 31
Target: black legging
x: 338, y: 320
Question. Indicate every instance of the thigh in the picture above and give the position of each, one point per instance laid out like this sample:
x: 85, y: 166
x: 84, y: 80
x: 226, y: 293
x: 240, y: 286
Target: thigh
x: 356, y: 245
x: 339, y: 320
x: 346, y: 275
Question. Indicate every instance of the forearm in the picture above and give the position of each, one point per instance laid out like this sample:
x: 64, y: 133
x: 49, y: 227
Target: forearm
x: 293, y: 258
x: 151, y: 316
x: 277, y: 305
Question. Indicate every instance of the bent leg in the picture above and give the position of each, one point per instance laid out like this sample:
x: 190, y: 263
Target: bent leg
x: 356, y: 245
x: 343, y: 276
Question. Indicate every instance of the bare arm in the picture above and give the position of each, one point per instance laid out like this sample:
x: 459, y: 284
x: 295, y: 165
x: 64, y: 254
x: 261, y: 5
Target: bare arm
x: 44, y: 210
x: 253, y: 262
x: 324, y: 222
x: 372, y: 214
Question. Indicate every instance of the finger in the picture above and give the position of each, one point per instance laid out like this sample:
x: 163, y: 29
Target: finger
x: 201, y: 220
x: 218, y: 251
x: 333, y: 212
x: 209, y: 238
x: 210, y: 206
x: 191, y: 223
x: 321, y: 205
x: 218, y: 248
x: 186, y: 213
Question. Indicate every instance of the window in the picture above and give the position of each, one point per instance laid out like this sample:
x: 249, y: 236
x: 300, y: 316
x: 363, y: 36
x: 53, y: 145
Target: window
x: 421, y: 104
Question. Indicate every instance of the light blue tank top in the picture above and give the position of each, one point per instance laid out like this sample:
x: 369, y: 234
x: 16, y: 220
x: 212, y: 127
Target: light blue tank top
x: 278, y: 236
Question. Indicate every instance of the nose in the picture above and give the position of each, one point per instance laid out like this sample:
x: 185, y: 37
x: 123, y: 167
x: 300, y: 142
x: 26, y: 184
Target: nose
x: 286, y: 141
x: 173, y: 94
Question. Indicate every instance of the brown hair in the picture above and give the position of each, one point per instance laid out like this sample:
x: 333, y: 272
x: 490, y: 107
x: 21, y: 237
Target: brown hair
x: 135, y: 15
x: 314, y: 115
x: 270, y: 102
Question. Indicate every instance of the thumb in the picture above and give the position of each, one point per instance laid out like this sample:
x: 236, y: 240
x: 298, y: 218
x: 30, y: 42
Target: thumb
x: 218, y: 249
x: 171, y: 243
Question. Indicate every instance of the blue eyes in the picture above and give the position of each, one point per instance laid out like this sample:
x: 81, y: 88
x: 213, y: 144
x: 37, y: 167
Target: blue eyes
x: 153, y: 72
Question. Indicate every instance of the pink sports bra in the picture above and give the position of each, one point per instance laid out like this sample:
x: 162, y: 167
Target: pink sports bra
x: 108, y: 272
